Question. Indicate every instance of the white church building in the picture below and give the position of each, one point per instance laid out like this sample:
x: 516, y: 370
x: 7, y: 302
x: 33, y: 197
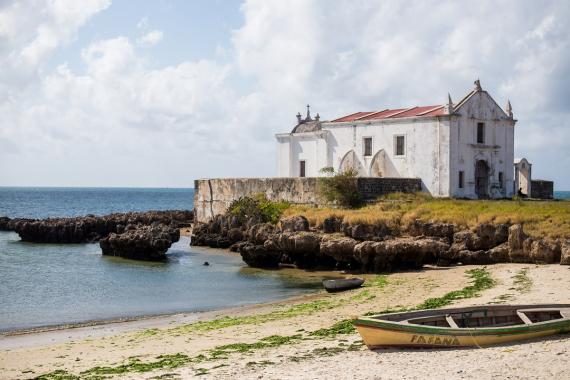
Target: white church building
x: 463, y: 149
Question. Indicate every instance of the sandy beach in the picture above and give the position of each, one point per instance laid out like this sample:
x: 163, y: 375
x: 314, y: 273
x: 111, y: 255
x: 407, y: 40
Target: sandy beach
x: 234, y: 343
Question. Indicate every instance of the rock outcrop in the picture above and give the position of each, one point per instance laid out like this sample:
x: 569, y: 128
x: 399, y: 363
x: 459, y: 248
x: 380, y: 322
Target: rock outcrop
x: 91, y: 228
x: 565, y: 252
x: 140, y: 242
x: 376, y: 247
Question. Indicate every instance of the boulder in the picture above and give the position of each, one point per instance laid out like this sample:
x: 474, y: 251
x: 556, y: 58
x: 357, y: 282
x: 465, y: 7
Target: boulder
x: 5, y: 223
x: 491, y: 235
x: 565, y: 252
x: 545, y: 251
x: 362, y: 232
x: 258, y: 256
x: 294, y: 224
x: 441, y: 230
x: 332, y: 224
x: 399, y: 253
x: 299, y: 248
x: 142, y: 243
x: 91, y: 228
x: 259, y: 233
x: 339, y: 248
x: 500, y: 253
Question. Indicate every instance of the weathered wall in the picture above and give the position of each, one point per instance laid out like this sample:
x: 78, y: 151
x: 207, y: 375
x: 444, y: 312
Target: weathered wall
x: 542, y: 189
x: 213, y: 196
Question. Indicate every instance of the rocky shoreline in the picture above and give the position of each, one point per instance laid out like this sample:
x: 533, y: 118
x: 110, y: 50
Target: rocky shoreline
x: 375, y: 248
x: 134, y: 235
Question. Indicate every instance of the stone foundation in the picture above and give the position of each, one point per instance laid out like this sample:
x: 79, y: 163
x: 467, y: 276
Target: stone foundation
x: 540, y: 189
x: 213, y: 196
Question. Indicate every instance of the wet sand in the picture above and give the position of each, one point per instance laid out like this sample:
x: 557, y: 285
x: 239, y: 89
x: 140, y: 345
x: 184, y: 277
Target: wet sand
x: 308, y: 356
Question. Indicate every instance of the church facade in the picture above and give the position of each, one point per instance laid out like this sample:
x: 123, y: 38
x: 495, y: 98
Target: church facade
x: 462, y: 150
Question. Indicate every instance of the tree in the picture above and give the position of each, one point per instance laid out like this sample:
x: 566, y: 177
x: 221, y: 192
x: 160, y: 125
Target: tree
x: 340, y: 188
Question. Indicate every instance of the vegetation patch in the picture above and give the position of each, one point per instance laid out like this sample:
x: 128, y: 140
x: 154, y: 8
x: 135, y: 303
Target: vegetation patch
x: 267, y: 342
x: 339, y: 188
x: 224, y: 322
x: 257, y: 207
x: 481, y: 280
x: 345, y: 326
x: 379, y: 281
x: 59, y: 374
x: 540, y: 218
x: 136, y: 365
x: 522, y: 283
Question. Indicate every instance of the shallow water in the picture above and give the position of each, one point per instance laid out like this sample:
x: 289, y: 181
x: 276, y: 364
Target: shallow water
x: 56, y: 284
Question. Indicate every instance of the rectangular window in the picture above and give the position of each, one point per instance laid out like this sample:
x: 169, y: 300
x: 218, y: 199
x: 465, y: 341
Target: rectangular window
x: 461, y: 179
x: 480, y: 133
x: 400, y: 145
x: 501, y: 184
x: 302, y: 167
x: 368, y: 146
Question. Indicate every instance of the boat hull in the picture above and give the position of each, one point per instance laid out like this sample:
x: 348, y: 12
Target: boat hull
x: 450, y: 327
x: 374, y: 337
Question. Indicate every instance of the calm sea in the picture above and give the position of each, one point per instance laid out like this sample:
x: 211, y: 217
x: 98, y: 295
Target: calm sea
x: 46, y: 284
x: 43, y: 202
x: 562, y: 194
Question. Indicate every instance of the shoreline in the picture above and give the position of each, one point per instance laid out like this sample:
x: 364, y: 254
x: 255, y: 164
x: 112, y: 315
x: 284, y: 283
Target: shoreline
x: 159, y: 320
x: 242, y: 341
x: 175, y: 346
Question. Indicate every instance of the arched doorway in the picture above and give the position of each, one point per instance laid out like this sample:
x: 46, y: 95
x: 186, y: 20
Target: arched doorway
x: 382, y: 166
x: 351, y: 161
x: 378, y: 166
x: 482, y: 179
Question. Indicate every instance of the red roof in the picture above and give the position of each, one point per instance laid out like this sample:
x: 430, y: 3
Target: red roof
x: 393, y: 114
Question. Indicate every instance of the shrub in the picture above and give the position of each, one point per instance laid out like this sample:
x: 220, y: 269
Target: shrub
x: 257, y: 207
x: 340, y: 188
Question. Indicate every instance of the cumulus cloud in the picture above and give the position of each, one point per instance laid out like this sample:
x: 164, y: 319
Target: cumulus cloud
x: 119, y: 121
x: 151, y: 38
x: 372, y: 55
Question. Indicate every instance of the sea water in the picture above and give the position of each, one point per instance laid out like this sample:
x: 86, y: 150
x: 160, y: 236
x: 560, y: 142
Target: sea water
x: 52, y: 284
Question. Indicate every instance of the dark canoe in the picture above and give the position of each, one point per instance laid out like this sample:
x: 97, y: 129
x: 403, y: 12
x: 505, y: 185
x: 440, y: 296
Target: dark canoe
x: 468, y: 326
x: 341, y: 284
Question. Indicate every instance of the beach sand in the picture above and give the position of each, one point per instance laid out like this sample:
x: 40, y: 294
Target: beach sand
x: 298, y: 353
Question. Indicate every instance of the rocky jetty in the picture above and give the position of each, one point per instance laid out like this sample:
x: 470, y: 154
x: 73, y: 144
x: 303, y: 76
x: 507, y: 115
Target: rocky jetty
x: 90, y: 228
x: 140, y: 242
x: 376, y: 247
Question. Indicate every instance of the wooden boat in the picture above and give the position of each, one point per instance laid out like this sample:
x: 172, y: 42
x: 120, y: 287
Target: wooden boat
x: 463, y: 327
x: 338, y: 285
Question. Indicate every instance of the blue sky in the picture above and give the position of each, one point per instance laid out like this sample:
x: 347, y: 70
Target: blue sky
x: 192, y: 29
x: 148, y: 93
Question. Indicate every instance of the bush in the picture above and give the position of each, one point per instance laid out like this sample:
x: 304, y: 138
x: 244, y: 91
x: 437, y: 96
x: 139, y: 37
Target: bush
x: 340, y: 188
x: 257, y: 207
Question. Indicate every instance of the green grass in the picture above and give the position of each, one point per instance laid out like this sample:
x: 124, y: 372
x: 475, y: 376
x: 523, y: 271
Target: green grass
x: 224, y: 322
x: 267, y: 342
x: 481, y: 280
x: 379, y: 281
x: 342, y: 327
x: 135, y: 365
x: 540, y: 218
x: 522, y: 283
x: 59, y: 374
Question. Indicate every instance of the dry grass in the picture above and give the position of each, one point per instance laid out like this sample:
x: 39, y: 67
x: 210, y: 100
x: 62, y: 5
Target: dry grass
x: 540, y: 218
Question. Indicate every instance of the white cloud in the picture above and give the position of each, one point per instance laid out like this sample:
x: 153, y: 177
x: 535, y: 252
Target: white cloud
x: 151, y: 38
x: 121, y: 121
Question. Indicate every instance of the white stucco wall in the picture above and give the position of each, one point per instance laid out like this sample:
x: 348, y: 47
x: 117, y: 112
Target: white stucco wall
x: 497, y: 150
x: 436, y: 148
x: 426, y: 148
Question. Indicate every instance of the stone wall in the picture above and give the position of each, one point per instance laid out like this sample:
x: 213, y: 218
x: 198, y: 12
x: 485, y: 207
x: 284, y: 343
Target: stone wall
x: 213, y: 196
x: 540, y: 189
